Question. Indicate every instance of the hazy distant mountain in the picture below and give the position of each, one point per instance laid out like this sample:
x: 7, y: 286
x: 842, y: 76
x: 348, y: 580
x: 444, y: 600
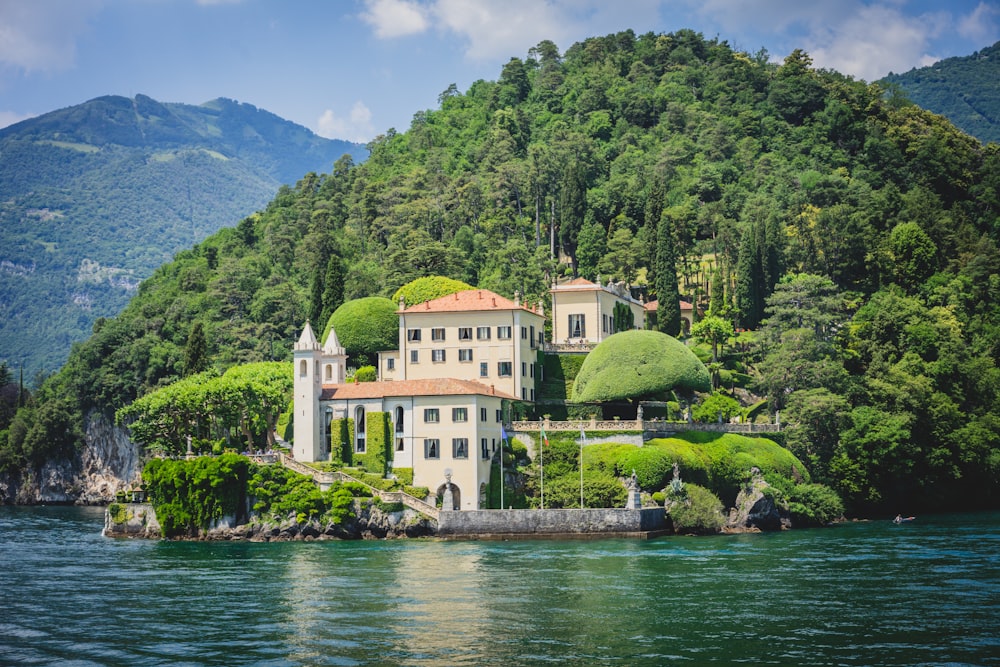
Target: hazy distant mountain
x: 95, y: 196
x: 965, y: 90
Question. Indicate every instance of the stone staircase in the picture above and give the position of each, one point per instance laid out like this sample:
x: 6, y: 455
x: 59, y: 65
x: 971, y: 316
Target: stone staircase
x: 326, y: 479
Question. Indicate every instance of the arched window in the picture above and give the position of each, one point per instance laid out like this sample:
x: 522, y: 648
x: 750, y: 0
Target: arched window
x: 303, y: 368
x: 399, y: 419
x: 359, y: 430
x: 329, y: 373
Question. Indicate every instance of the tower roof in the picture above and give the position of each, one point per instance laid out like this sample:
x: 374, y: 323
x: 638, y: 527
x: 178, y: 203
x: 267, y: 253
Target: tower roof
x: 332, y: 345
x: 307, y: 341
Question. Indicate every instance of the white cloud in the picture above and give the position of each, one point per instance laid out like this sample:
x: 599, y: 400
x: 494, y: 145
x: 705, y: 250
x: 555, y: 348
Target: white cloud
x: 498, y: 30
x: 10, y: 117
x: 981, y: 25
x: 41, y: 36
x: 357, y: 126
x: 395, y: 18
x: 874, y: 41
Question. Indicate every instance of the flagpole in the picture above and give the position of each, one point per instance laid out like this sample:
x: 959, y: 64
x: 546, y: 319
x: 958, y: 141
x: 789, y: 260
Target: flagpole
x: 503, y: 436
x: 541, y: 461
x: 583, y: 437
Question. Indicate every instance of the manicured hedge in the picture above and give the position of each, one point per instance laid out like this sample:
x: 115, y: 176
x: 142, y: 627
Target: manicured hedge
x: 638, y: 363
x: 365, y: 327
x: 428, y: 288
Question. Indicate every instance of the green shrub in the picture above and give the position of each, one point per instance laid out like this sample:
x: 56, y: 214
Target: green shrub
x: 188, y: 495
x: 695, y: 510
x: 404, y: 475
x: 638, y: 363
x: 653, y: 467
x: 366, y: 374
x: 659, y: 497
x: 419, y: 492
x: 814, y: 505
x: 708, y: 410
x: 599, y: 490
x: 388, y: 507
x: 118, y: 513
x: 378, y: 444
x: 356, y: 489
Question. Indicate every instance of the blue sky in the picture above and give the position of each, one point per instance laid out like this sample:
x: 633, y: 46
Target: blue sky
x: 350, y: 69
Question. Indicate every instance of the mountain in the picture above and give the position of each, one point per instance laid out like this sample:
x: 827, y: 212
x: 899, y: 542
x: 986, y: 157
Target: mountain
x: 965, y: 90
x: 95, y: 196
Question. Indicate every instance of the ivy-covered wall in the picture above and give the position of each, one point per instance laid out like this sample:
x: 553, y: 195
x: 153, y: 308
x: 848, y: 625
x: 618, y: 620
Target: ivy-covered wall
x: 560, y: 372
x: 342, y: 435
x: 378, y: 441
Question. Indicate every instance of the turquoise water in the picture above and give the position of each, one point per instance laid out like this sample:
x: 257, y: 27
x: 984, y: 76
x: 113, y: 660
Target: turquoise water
x: 925, y: 593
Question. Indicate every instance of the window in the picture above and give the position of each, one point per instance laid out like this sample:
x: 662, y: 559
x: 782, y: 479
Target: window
x: 465, y: 354
x: 413, y: 335
x: 460, y: 448
x: 437, y: 333
x: 532, y: 336
x: 498, y: 416
x: 604, y: 323
x: 399, y: 419
x: 484, y: 445
x: 431, y: 416
x: 303, y: 368
x: 459, y: 414
x: 532, y: 395
x: 524, y: 333
x: 484, y: 369
x: 524, y: 394
x: 531, y: 370
x: 541, y: 338
x: 414, y: 356
x: 465, y: 333
x: 524, y: 369
x: 432, y: 448
x: 437, y: 355
x: 503, y: 333
x: 399, y: 444
x: 504, y: 369
x: 482, y: 414
x: 483, y: 333
x: 577, y: 326
x: 390, y: 364
x: 359, y: 429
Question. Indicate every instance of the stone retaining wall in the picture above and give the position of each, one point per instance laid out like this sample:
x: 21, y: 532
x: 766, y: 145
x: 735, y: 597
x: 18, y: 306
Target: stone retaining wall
x: 552, y: 523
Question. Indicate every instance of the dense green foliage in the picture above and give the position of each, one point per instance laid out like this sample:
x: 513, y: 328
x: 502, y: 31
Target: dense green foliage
x: 695, y: 509
x: 97, y: 195
x: 962, y: 89
x: 246, y: 401
x: 365, y: 327
x: 189, y: 495
x: 277, y: 492
x: 427, y: 289
x: 858, y: 230
x: 636, y: 364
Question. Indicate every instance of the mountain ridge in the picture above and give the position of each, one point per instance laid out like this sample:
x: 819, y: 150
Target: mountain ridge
x: 95, y: 196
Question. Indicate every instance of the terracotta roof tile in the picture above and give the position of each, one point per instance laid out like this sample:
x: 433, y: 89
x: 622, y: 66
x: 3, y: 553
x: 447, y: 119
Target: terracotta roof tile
x: 466, y: 301
x: 684, y: 305
x: 428, y: 387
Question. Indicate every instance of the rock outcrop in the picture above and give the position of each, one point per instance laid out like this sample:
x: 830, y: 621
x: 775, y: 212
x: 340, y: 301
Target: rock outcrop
x: 107, y: 462
x: 756, y: 509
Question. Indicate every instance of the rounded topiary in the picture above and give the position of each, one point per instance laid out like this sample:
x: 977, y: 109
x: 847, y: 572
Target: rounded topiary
x: 427, y: 288
x: 637, y: 363
x: 365, y: 326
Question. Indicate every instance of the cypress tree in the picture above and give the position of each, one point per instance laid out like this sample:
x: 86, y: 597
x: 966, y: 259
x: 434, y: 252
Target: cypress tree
x: 668, y: 307
x: 196, y: 350
x: 333, y: 289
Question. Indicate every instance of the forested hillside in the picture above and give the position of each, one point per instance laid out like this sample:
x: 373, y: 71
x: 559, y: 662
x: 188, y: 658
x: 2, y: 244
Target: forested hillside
x: 860, y: 232
x: 96, y: 196
x: 965, y: 90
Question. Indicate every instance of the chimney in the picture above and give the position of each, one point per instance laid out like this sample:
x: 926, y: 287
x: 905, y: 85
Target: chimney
x: 517, y: 299
x: 494, y: 301
x: 456, y: 296
x: 493, y: 390
x: 402, y: 302
x: 480, y: 293
x: 427, y: 305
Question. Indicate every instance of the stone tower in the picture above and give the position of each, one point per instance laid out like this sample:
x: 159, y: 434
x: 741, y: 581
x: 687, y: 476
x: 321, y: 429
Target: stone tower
x: 314, y: 367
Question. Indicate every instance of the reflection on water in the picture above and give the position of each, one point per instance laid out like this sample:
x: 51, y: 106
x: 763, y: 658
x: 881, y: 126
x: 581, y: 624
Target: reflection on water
x: 859, y: 594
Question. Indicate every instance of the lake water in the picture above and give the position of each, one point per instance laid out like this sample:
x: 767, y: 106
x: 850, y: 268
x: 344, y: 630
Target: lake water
x: 924, y: 593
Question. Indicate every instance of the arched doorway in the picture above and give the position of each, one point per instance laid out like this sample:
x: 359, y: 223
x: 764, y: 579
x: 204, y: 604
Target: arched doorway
x: 456, y: 496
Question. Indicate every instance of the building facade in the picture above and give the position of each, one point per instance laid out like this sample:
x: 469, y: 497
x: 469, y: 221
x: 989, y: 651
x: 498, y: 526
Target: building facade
x: 446, y: 430
x: 583, y: 312
x: 474, y: 335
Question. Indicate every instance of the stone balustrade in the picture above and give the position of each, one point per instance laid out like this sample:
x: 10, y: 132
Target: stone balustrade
x: 644, y: 425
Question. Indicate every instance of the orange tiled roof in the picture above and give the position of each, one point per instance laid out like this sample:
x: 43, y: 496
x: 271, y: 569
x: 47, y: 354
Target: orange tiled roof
x: 466, y: 301
x: 684, y: 305
x: 428, y: 387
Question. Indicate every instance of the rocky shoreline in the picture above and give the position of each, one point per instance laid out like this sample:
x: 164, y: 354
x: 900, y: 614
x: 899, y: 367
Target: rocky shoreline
x: 138, y: 520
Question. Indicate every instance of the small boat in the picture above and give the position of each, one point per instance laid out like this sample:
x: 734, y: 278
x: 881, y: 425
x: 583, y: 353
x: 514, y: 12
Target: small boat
x: 903, y: 519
